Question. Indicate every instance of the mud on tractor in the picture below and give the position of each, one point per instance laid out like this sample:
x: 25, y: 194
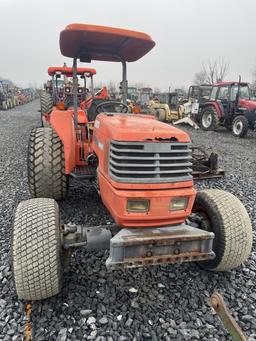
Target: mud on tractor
x: 142, y: 170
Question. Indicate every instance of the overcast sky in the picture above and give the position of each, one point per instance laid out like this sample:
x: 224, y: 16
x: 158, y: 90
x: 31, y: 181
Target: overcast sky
x: 186, y: 33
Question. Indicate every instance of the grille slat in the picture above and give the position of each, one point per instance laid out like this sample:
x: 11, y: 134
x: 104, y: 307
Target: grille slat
x: 121, y: 157
x: 151, y: 172
x: 150, y: 162
x: 150, y: 165
x: 142, y: 151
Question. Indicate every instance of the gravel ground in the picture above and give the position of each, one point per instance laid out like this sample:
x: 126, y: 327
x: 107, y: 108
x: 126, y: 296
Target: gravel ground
x: 159, y: 303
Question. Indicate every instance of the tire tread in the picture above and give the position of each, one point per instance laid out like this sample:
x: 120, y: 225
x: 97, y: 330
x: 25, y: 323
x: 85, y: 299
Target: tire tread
x: 36, y: 249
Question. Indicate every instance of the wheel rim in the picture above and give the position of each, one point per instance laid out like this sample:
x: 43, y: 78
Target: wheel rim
x: 238, y: 127
x: 207, y: 119
x: 205, y: 223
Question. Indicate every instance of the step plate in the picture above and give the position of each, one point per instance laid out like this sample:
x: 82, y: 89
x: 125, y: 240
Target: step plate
x: 137, y: 247
x: 86, y: 172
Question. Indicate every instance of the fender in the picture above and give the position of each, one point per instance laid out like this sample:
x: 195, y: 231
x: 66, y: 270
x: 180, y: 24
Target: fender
x: 63, y: 124
x: 215, y: 105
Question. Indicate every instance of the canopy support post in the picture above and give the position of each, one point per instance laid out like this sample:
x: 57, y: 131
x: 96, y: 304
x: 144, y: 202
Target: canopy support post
x: 92, y: 86
x: 53, y: 90
x: 85, y: 86
x: 75, y: 84
x: 124, y: 83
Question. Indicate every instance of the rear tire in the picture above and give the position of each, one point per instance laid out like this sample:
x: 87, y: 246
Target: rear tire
x: 160, y: 115
x: 46, y: 165
x: 46, y: 105
x: 225, y: 215
x: 240, y: 126
x: 36, y: 249
x: 209, y: 118
x: 68, y: 102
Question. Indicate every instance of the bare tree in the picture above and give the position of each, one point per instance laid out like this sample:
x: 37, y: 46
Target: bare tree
x: 200, y: 77
x: 212, y: 72
x: 222, y: 68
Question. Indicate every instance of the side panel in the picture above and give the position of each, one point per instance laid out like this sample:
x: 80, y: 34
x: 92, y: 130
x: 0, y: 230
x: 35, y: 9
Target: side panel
x: 62, y: 123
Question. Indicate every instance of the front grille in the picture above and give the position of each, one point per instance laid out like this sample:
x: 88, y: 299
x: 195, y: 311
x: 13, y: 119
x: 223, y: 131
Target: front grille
x: 150, y: 162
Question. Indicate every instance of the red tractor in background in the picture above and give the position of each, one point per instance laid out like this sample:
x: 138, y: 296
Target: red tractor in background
x: 229, y: 106
x: 142, y: 169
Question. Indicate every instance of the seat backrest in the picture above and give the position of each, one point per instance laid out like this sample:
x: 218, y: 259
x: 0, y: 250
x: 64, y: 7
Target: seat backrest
x: 92, y: 113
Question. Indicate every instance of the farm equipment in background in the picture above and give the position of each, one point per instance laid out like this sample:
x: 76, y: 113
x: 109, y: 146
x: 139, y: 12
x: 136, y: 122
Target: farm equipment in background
x: 3, y: 97
x: 145, y: 94
x: 142, y: 170
x: 133, y: 94
x: 190, y: 108
x: 8, y: 95
x: 12, y: 96
x: 171, y: 107
x: 230, y: 106
x: 59, y: 92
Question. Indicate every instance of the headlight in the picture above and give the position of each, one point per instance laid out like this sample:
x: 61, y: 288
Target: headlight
x: 178, y: 204
x: 67, y: 90
x: 137, y: 205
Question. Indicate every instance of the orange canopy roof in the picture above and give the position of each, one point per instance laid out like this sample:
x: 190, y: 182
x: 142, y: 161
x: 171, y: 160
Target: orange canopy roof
x: 90, y: 42
x: 68, y: 71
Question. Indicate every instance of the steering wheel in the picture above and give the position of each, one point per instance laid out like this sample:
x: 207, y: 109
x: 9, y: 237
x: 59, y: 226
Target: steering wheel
x: 102, y: 107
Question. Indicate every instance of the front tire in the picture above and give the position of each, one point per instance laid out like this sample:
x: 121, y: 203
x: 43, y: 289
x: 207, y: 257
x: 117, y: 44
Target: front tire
x: 224, y: 214
x: 240, y: 126
x: 36, y: 249
x: 46, y: 165
x: 209, y: 118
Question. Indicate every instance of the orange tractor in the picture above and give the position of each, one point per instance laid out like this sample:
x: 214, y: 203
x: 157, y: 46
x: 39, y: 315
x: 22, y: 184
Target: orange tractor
x: 59, y: 92
x: 142, y: 170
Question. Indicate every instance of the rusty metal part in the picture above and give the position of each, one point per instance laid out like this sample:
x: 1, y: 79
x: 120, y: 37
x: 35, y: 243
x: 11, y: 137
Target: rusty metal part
x: 205, y: 167
x: 28, y: 327
x: 165, y: 259
x: 229, y: 322
x: 162, y: 245
x: 92, y: 238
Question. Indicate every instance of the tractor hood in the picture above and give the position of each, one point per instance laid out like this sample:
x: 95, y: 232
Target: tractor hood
x: 248, y: 104
x: 131, y: 127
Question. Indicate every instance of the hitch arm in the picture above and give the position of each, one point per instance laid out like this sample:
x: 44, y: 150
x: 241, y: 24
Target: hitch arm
x: 228, y: 321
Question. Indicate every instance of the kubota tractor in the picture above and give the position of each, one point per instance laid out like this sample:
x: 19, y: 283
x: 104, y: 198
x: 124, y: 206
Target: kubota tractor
x: 229, y: 106
x: 59, y: 92
x: 142, y: 170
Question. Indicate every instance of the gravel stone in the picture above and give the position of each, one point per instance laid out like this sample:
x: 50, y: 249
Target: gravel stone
x: 128, y: 323
x: 85, y: 312
x: 91, y: 320
x: 103, y: 320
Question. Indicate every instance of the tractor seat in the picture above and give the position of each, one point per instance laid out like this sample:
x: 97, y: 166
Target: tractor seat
x: 92, y: 113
